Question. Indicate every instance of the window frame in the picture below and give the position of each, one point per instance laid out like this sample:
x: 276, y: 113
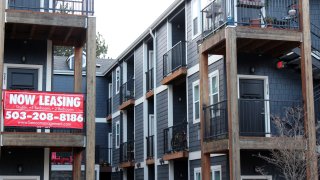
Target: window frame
x: 211, y: 76
x: 117, y: 134
x: 118, y: 75
x: 198, y: 16
x: 212, y: 168
x: 194, y: 84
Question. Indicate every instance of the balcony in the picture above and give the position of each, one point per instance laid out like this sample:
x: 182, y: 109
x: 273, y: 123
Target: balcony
x: 257, y: 129
x: 127, y: 95
x: 62, y: 21
x: 175, y: 142
x: 149, y: 80
x: 103, y: 157
x: 127, y: 154
x: 261, y: 26
x: 109, y: 109
x: 150, y: 150
x: 174, y: 64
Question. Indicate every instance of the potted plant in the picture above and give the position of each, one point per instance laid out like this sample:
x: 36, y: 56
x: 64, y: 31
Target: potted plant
x: 269, y: 21
x: 255, y: 22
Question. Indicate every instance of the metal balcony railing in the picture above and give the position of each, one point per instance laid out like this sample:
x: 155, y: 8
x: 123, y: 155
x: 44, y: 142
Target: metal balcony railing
x: 174, y: 59
x: 150, y: 147
x: 218, y: 121
x: 256, y: 117
x: 149, y: 78
x: 76, y: 7
x: 109, y: 106
x: 175, y: 138
x: 255, y: 13
x: 103, y: 156
x: 127, y: 91
x: 127, y: 152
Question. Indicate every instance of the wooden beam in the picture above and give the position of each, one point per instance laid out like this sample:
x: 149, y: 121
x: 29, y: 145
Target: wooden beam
x: 204, y: 102
x: 212, y: 41
x: 268, y: 143
x: 216, y: 146
x: 14, y: 31
x: 307, y: 91
x: 181, y: 72
x: 32, y: 31
x: 76, y: 169
x: 2, y: 37
x: 176, y: 155
x: 232, y: 96
x: 52, y: 29
x: 68, y: 35
x: 91, y: 97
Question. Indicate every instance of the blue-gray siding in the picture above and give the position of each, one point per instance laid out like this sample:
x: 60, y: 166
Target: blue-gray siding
x: 161, y: 42
x: 163, y: 172
x: 139, y: 174
x: 162, y: 119
x: 139, y: 137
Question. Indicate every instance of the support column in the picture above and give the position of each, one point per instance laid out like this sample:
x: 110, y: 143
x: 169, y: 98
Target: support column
x: 2, y: 37
x: 307, y: 92
x: 91, y: 97
x: 232, y: 95
x: 204, y: 101
x: 77, y: 153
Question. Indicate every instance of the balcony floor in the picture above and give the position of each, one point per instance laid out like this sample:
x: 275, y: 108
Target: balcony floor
x: 127, y: 104
x: 255, y: 143
x: 127, y: 164
x: 62, y: 29
x: 177, y: 74
x: 176, y: 155
x: 262, y: 41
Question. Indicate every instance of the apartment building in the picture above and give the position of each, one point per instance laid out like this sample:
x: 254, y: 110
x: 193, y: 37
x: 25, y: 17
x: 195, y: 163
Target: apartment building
x: 231, y: 65
x: 39, y: 122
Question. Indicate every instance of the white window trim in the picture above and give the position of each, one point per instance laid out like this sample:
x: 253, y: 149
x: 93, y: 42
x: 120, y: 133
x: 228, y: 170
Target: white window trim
x: 118, y: 75
x: 269, y: 177
x: 20, y: 177
x: 151, y: 127
x: 199, y: 19
x: 110, y: 90
x: 212, y: 75
x: 212, y: 168
x: 118, y: 133
x: 194, y: 84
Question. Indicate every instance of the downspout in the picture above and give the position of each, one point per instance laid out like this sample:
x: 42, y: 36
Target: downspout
x: 154, y: 37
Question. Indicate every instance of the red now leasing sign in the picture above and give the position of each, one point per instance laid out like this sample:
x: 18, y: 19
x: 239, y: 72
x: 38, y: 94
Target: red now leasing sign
x: 43, y: 109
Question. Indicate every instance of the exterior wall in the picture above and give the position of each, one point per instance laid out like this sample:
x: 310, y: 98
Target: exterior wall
x: 139, y: 174
x: 116, y: 151
x: 161, y: 42
x: 139, y: 137
x: 117, y: 176
x: 162, y: 120
x: 15, y: 49
x: 219, y: 160
x: 163, y: 172
x: 115, y: 97
x: 138, y: 65
x: 31, y: 160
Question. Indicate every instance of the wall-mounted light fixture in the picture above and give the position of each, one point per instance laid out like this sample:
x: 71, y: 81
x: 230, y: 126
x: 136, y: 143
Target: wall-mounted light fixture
x: 161, y: 161
x: 23, y: 59
x: 252, y: 70
x: 20, y: 168
x: 138, y: 165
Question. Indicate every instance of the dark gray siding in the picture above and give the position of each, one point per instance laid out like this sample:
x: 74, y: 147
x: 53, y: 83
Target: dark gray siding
x: 219, y: 160
x: 64, y: 83
x: 138, y: 64
x: 117, y: 176
x: 161, y: 43
x: 65, y: 175
x: 102, y: 141
x: 115, y: 97
x: 162, y: 119
x: 163, y: 172
x: 15, y: 49
x: 116, y: 151
x: 194, y: 133
x: 31, y: 160
x: 139, y: 137
x: 139, y: 174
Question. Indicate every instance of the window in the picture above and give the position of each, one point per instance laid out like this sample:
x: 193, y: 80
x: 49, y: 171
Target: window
x: 215, y: 173
x: 151, y: 124
x: 117, y: 80
x: 117, y: 134
x: 196, y: 8
x: 110, y: 90
x: 150, y: 63
x: 214, y: 87
x: 196, y: 101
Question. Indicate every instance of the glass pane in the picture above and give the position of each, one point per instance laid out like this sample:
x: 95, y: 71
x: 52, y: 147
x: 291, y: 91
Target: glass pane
x: 197, y: 109
x: 195, y: 26
x: 196, y: 93
x: 215, y: 99
x: 211, y: 175
x: 198, y: 176
x: 214, y: 85
x: 217, y: 175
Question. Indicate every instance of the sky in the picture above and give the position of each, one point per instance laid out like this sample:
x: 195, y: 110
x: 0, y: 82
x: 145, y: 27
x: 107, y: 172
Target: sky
x: 121, y: 22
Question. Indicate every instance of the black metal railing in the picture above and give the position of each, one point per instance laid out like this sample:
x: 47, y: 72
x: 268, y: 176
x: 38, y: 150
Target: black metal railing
x: 315, y: 37
x: 175, y: 138
x: 149, y: 78
x: 255, y: 13
x: 109, y: 106
x: 127, y: 91
x: 103, y: 156
x: 174, y: 59
x: 150, y: 147
x: 127, y: 152
x: 77, y: 7
x: 218, y: 121
x: 257, y: 117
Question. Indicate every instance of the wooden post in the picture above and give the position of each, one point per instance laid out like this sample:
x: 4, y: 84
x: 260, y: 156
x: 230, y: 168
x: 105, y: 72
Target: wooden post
x: 307, y: 91
x: 77, y: 153
x: 232, y: 94
x: 2, y: 37
x: 91, y: 97
x: 204, y: 101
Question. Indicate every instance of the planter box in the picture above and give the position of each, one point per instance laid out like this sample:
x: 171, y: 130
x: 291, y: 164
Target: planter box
x: 257, y: 4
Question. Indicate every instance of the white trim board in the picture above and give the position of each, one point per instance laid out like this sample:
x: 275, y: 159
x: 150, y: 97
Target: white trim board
x: 212, y: 59
x: 139, y: 101
x: 256, y: 177
x: 116, y: 114
x: 196, y: 155
x: 101, y: 120
x: 20, y: 177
